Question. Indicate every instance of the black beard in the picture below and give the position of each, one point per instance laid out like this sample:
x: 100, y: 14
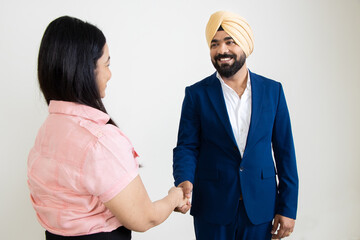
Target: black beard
x: 226, y: 70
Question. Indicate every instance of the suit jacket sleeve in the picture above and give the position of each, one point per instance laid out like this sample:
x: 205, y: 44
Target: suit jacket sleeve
x: 284, y: 153
x: 187, y: 149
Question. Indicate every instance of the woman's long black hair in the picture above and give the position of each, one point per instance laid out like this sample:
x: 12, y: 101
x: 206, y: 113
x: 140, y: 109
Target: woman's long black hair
x: 67, y: 60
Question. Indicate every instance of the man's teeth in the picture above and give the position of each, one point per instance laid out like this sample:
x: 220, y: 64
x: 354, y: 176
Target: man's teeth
x: 225, y: 59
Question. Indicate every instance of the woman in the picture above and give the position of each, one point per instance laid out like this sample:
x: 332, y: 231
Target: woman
x: 82, y: 171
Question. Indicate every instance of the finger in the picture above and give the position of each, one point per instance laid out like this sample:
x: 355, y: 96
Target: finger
x: 187, y: 205
x: 281, y: 232
x: 186, y: 188
x: 278, y: 235
x: 179, y: 209
x: 286, y: 234
x: 286, y: 230
x: 275, y: 225
x: 187, y: 191
x: 184, y: 209
x: 275, y: 236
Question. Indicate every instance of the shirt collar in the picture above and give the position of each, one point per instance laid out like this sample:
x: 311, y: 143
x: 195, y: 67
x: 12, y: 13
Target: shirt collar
x: 76, y: 109
x: 224, y: 85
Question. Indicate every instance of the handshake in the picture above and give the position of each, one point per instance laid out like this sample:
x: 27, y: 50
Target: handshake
x: 182, y: 194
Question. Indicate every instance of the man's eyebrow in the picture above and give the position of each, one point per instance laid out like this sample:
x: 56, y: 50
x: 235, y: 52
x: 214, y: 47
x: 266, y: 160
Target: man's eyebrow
x: 228, y: 38
x: 225, y: 39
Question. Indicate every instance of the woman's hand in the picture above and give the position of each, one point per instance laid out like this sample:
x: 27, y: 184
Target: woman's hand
x: 178, y: 194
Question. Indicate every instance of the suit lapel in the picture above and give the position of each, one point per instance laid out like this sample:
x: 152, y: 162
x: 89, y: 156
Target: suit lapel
x: 216, y: 97
x: 257, y: 92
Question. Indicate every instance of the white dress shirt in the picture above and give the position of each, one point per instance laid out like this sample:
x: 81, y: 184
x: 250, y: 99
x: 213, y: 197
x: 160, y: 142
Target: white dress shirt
x: 239, y: 111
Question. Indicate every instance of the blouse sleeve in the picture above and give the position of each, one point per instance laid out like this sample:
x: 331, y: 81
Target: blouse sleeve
x: 110, y: 164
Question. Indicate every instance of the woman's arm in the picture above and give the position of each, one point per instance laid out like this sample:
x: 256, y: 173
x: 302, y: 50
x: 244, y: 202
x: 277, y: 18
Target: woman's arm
x: 134, y: 209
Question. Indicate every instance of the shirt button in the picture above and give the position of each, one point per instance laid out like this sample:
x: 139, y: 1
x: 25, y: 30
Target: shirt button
x: 241, y: 169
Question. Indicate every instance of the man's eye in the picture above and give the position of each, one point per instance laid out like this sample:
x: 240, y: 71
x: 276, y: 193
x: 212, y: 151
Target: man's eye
x: 230, y: 42
x: 213, y: 45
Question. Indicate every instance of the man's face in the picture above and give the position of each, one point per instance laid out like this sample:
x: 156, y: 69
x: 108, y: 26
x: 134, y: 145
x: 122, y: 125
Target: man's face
x: 226, y: 56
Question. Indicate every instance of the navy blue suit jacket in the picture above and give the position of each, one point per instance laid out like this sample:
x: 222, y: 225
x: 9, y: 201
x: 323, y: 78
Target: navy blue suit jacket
x: 207, y: 154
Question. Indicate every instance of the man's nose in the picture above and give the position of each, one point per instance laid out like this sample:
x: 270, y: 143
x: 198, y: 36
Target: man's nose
x: 223, y: 49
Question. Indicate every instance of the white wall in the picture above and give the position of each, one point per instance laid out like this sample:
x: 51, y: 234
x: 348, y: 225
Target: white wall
x: 157, y: 48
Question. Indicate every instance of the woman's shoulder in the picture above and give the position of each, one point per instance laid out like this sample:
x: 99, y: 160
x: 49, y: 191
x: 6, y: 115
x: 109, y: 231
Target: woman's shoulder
x: 108, y: 136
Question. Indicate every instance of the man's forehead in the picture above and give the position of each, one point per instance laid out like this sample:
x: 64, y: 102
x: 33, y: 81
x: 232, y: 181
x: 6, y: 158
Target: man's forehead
x: 221, y: 35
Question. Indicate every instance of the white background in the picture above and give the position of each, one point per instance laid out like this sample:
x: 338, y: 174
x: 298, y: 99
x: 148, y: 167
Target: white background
x: 157, y: 48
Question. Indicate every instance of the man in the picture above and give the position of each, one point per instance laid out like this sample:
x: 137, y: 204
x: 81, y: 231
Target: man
x: 232, y: 123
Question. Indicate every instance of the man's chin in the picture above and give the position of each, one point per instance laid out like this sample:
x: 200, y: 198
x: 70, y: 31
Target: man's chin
x: 226, y: 75
x: 225, y: 67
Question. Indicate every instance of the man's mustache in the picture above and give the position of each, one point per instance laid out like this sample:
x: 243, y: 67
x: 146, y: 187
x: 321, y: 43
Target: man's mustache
x: 217, y: 57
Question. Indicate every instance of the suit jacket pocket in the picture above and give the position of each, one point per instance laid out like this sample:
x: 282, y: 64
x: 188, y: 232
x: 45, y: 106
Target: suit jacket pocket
x: 268, y: 172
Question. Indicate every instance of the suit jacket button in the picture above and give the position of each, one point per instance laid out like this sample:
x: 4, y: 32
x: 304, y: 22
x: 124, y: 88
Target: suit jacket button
x: 235, y: 148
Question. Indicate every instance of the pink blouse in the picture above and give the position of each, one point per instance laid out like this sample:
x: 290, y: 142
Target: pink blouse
x: 78, y: 162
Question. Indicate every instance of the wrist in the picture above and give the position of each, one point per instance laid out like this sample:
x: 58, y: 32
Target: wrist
x: 174, y: 198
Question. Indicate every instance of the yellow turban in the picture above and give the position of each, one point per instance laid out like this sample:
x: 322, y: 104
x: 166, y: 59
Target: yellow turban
x: 235, y: 26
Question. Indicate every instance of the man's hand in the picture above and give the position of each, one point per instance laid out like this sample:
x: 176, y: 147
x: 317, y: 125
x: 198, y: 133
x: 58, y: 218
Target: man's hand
x: 286, y: 227
x: 187, y: 189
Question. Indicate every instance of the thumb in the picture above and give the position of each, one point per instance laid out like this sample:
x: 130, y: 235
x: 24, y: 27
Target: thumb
x: 275, y: 225
x: 187, y: 188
